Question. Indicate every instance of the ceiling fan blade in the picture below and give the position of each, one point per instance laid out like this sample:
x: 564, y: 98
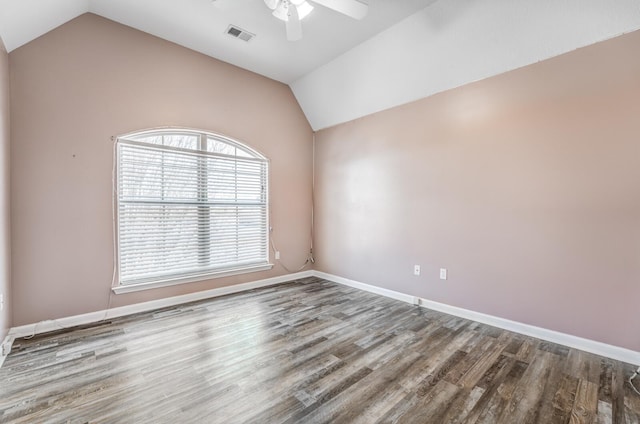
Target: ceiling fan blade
x: 294, y: 27
x: 272, y: 4
x: 352, y: 8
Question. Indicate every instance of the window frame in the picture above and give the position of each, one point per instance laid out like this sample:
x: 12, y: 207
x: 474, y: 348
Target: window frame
x: 127, y: 139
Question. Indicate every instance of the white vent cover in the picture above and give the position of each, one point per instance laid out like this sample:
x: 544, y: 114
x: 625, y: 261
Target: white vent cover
x: 239, y: 33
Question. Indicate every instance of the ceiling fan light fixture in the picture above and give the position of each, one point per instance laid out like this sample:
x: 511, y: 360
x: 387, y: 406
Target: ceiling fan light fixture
x: 281, y: 12
x: 271, y: 4
x: 304, y: 8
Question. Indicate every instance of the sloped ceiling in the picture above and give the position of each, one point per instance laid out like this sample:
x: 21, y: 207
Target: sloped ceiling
x: 452, y: 43
x: 344, y: 69
x: 201, y: 25
x: 22, y: 21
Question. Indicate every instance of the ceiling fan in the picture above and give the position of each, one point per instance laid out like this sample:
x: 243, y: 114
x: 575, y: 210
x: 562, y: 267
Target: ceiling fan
x: 293, y: 11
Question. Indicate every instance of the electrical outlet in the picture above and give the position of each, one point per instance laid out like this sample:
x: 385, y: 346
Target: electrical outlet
x: 416, y: 270
x: 443, y: 273
x: 277, y: 254
x: 1, y: 301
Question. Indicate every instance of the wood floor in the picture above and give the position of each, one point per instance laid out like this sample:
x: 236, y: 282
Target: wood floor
x: 309, y: 351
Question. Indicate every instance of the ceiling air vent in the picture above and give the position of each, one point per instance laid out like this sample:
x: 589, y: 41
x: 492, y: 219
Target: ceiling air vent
x: 240, y: 33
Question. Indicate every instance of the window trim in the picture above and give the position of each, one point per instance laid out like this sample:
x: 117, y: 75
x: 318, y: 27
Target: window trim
x: 192, y: 278
x: 119, y: 288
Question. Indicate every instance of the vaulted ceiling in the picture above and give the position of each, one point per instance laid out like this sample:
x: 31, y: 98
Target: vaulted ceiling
x: 343, y: 69
x: 201, y: 25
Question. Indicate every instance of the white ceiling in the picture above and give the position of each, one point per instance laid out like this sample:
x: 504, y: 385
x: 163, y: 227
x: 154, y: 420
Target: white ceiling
x: 201, y: 25
x: 452, y: 43
x: 344, y: 69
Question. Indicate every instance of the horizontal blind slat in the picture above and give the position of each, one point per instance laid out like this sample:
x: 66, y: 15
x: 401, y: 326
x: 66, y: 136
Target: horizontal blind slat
x: 182, y: 212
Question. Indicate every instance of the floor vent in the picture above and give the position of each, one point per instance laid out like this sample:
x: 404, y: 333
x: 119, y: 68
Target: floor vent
x: 239, y: 33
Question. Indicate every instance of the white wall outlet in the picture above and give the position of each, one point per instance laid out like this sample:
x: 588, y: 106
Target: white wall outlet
x: 443, y: 273
x: 277, y: 254
x: 416, y: 270
x: 1, y: 301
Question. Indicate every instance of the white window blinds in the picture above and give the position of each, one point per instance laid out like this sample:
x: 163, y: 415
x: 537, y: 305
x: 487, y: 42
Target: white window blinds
x: 185, y: 209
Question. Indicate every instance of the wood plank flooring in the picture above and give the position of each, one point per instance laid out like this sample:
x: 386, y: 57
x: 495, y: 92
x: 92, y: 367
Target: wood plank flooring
x: 309, y: 351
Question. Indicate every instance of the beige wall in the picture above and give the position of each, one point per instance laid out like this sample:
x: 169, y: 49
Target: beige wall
x: 526, y: 186
x: 79, y: 85
x: 5, y: 249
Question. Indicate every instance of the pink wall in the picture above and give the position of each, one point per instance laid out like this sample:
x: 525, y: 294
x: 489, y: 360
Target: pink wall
x: 5, y: 249
x: 91, y: 79
x: 526, y: 186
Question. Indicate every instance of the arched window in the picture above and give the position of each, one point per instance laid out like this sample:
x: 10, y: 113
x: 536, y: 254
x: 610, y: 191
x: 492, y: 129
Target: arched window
x: 190, y: 205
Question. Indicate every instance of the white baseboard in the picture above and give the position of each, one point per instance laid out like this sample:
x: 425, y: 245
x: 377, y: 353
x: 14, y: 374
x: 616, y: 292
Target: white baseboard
x: 591, y: 346
x: 92, y: 317
x: 598, y: 348
x: 366, y: 287
x: 6, y: 344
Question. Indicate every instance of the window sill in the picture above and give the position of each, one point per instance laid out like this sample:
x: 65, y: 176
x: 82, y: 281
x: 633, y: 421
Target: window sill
x: 188, y: 279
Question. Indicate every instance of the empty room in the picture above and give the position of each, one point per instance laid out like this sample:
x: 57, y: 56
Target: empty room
x: 320, y: 211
